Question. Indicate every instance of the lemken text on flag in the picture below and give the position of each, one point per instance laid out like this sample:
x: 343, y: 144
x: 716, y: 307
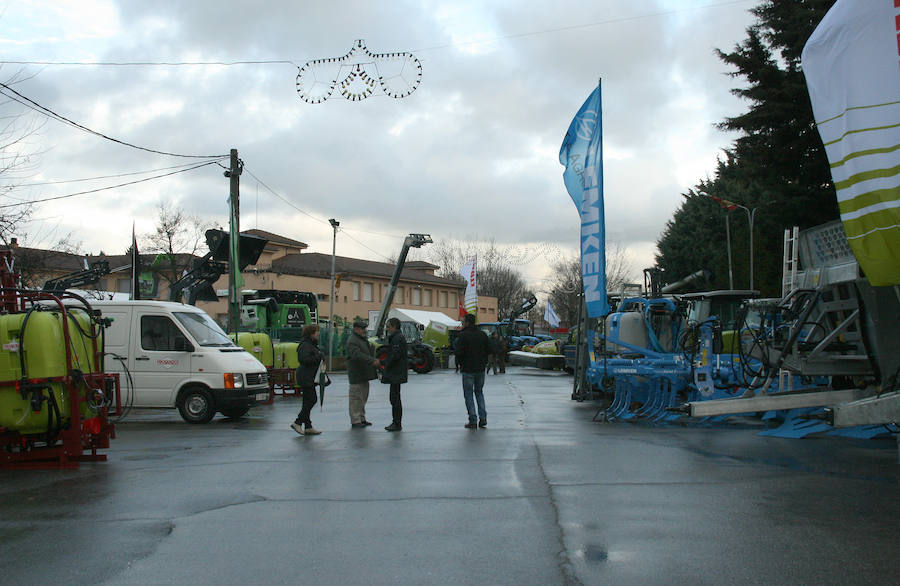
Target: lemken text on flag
x: 582, y: 155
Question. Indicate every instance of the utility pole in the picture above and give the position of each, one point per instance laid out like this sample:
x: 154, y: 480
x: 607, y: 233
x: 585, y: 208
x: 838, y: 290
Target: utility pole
x: 234, y: 298
x: 334, y: 226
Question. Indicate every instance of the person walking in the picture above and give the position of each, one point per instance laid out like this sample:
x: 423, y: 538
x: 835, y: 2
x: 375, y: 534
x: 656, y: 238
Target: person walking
x: 395, y: 370
x: 500, y: 354
x: 495, y: 353
x: 311, y: 360
x: 361, y: 368
x: 472, y: 350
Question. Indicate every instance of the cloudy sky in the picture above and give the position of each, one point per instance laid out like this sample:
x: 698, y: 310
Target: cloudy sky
x: 471, y: 154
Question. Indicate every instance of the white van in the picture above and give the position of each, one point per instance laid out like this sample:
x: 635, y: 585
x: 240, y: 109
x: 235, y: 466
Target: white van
x: 178, y: 356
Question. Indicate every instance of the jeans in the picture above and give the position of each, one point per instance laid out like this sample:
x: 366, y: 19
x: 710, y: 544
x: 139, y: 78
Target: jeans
x: 473, y: 385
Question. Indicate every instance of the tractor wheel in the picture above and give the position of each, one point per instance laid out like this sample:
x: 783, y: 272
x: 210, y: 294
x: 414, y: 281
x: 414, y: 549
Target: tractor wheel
x: 422, y: 361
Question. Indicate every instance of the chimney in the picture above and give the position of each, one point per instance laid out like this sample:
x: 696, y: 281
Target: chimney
x: 14, y: 242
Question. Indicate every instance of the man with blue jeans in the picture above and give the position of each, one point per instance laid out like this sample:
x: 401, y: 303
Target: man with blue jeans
x: 472, y: 350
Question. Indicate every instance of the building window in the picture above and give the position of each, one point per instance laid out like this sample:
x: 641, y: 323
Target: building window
x: 123, y: 285
x: 417, y: 296
x: 355, y: 291
x: 401, y: 292
x: 443, y: 298
x: 367, y: 291
x: 427, y: 301
x: 322, y: 296
x: 454, y: 300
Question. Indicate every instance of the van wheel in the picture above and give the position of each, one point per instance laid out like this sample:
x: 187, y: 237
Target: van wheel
x: 196, y: 405
x: 235, y: 412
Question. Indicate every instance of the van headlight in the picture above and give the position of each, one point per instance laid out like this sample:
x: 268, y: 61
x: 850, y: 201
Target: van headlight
x: 234, y: 380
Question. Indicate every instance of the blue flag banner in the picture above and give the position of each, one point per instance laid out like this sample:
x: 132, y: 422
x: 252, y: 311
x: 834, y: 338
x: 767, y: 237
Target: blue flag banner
x: 582, y: 155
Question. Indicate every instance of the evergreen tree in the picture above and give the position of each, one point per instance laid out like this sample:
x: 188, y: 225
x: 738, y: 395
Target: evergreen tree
x: 777, y: 165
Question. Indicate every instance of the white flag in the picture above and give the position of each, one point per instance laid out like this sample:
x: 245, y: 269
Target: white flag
x: 550, y: 316
x: 471, y: 299
x: 851, y: 68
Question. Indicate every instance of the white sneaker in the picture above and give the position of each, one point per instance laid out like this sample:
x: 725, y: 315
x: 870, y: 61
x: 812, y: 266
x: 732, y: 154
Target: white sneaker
x: 297, y: 427
x: 310, y: 430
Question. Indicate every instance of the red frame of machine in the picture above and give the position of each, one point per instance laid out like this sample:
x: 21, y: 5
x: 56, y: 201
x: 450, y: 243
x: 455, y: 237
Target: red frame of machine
x: 83, y: 437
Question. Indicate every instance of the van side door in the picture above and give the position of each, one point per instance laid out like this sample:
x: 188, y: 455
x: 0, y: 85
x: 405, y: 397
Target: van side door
x: 162, y: 358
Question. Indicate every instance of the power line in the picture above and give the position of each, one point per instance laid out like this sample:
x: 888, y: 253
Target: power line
x: 282, y: 198
x: 367, y: 247
x: 153, y: 63
x: 436, y: 48
x: 18, y: 185
x: 342, y: 229
x: 581, y: 26
x: 109, y: 187
x: 29, y: 103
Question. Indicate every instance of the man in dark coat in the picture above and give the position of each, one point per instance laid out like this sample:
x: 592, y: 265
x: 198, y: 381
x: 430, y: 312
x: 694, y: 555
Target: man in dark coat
x: 361, y: 368
x: 310, y: 359
x: 395, y: 370
x: 472, y: 350
x: 498, y: 354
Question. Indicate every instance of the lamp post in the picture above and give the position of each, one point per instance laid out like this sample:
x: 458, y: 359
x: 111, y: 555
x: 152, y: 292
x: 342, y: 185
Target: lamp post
x: 334, y: 226
x: 728, y: 244
x: 751, y: 216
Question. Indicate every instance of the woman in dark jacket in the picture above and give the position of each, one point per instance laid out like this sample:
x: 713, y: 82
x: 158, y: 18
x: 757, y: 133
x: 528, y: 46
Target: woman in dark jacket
x: 310, y: 358
x: 395, y: 369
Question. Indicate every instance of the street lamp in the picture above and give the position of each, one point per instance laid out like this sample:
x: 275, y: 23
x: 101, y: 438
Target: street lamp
x: 334, y: 226
x: 751, y: 215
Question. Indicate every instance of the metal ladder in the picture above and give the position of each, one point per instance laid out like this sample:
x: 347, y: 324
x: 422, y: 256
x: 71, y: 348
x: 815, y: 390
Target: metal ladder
x: 790, y: 262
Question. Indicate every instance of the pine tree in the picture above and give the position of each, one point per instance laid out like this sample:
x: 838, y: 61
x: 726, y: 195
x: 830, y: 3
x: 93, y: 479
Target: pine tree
x: 777, y: 165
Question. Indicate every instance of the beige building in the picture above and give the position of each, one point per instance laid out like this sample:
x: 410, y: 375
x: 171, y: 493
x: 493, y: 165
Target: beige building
x: 360, y: 285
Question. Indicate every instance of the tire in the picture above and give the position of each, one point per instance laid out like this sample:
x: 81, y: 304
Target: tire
x: 422, y: 360
x: 196, y: 405
x: 235, y: 412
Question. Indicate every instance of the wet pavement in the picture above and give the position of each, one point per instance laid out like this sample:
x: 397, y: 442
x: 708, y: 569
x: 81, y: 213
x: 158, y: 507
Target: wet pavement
x: 542, y: 496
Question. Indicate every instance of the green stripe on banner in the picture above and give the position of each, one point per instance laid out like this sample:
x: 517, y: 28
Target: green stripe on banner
x: 865, y: 153
x: 882, y: 220
x: 881, y: 269
x: 866, y: 176
x: 856, y: 108
x: 864, y: 200
x: 858, y: 130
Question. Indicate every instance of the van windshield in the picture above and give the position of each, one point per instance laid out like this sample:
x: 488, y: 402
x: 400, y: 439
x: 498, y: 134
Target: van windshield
x: 203, y: 329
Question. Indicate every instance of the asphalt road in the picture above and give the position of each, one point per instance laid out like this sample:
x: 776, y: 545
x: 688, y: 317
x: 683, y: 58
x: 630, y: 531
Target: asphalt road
x: 542, y: 496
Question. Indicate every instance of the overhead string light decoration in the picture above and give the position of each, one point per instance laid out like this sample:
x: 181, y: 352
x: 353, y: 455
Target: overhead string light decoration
x: 398, y: 75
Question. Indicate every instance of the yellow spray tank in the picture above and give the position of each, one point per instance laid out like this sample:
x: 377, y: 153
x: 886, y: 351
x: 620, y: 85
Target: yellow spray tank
x: 43, y: 351
x: 258, y: 344
x: 286, y: 355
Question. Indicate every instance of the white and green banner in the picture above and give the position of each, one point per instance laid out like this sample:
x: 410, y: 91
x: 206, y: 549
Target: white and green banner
x: 468, y: 273
x: 852, y: 68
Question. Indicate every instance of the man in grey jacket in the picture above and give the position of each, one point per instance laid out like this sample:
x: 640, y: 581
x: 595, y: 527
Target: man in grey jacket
x: 361, y: 368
